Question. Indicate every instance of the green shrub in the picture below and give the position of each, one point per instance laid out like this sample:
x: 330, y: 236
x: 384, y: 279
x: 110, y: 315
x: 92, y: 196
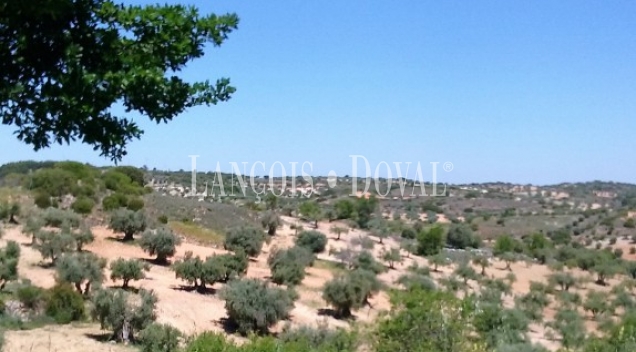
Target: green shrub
x: 64, y: 304
x: 43, y: 200
x: 288, y: 265
x: 83, y: 205
x: 30, y: 296
x: 162, y: 219
x: 135, y: 204
x: 114, y: 201
x: 159, y: 338
x: 245, y: 238
x: 313, y: 240
x: 129, y: 222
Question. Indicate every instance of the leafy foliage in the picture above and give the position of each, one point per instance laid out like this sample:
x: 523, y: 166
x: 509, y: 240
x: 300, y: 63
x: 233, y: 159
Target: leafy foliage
x: 161, y: 242
x: 128, y: 53
x: 9, y: 257
x: 350, y: 291
x: 217, y: 268
x: 64, y: 304
x: 430, y: 242
x: 246, y: 239
x: 253, y: 306
x: 314, y: 241
x: 288, y: 265
x: 127, y: 270
x: 159, y: 338
x: 117, y: 311
x: 81, y: 268
x: 129, y: 222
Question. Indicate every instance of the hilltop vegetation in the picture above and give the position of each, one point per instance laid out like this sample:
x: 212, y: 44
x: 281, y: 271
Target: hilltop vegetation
x: 514, y: 268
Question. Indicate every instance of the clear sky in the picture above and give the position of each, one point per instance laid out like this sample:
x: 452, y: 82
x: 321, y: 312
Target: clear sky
x: 535, y: 91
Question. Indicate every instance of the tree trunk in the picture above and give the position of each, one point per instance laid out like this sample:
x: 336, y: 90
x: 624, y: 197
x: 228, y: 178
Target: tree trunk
x: 128, y: 236
x: 78, y: 287
x: 125, y: 284
x: 87, y: 288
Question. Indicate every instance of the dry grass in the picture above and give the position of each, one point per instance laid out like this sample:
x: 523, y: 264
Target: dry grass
x: 333, y: 267
x: 197, y: 233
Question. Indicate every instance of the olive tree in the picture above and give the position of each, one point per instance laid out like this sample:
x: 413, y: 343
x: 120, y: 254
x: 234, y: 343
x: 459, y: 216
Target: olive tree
x: 350, y: 291
x: 161, y: 242
x: 81, y: 269
x: 254, y: 306
x: 128, y: 222
x: 271, y: 221
x: 52, y: 244
x: 216, y: 268
x: 338, y: 230
x: 124, y: 316
x: 127, y: 270
x: 392, y: 256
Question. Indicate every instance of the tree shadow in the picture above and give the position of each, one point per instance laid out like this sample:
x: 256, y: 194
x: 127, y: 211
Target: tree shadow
x: 328, y: 312
x: 184, y: 288
x: 132, y: 242
x: 154, y: 261
x: 100, y: 337
x: 45, y: 265
x: 228, y: 326
x: 131, y: 289
x: 252, y: 260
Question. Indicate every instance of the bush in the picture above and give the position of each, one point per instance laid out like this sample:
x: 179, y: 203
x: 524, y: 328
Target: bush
x: 288, y: 265
x: 312, y: 240
x: 83, y: 205
x: 430, y: 242
x: 159, y: 338
x: 629, y: 223
x: 366, y: 261
x: 30, y: 296
x: 162, y: 219
x: 43, y: 200
x: 162, y: 243
x: 135, y: 204
x: 253, y: 306
x: 127, y: 270
x: 460, y: 236
x: 9, y: 257
x: 64, y: 304
x: 246, y: 239
x: 409, y: 233
x: 114, y: 201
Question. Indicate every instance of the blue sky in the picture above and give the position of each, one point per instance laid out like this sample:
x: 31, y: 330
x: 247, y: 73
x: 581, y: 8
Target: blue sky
x: 518, y: 91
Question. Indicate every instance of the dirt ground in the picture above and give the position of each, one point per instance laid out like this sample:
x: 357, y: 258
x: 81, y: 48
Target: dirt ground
x: 194, y: 313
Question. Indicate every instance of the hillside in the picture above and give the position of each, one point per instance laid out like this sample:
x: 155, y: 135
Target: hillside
x: 549, y: 266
